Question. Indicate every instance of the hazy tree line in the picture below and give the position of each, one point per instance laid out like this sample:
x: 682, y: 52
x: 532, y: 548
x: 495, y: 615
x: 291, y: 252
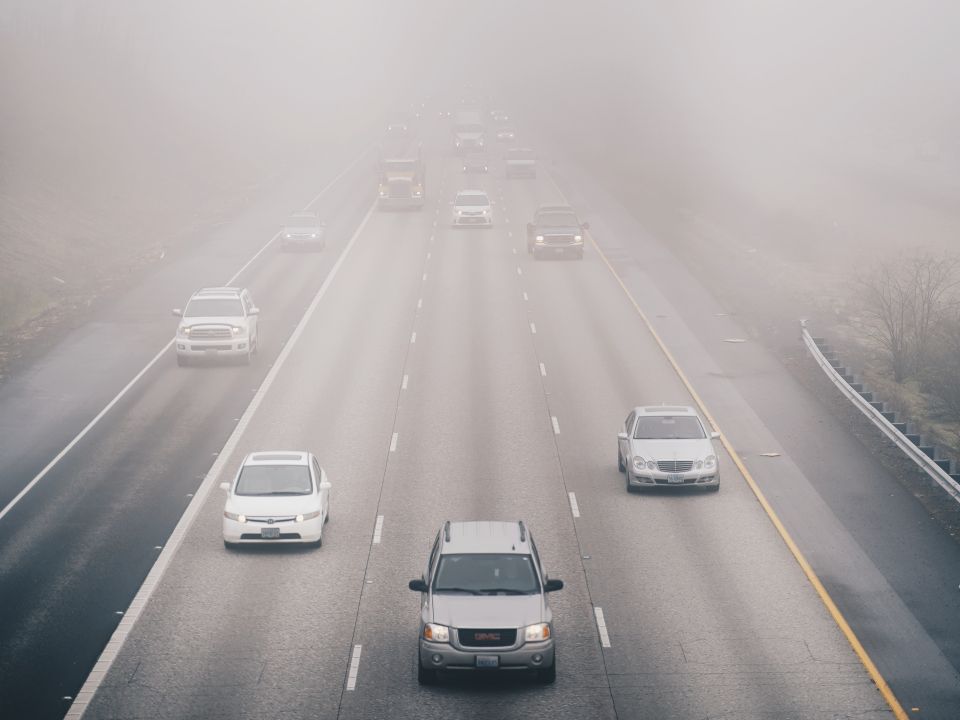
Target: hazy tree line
x: 911, y: 314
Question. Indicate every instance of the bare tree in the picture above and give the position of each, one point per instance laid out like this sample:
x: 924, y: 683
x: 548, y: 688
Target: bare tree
x: 941, y: 380
x: 903, y: 300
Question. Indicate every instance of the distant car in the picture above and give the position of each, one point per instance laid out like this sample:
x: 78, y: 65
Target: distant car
x: 484, y: 603
x: 276, y: 497
x: 506, y: 134
x: 472, y: 208
x: 499, y: 116
x: 520, y: 163
x: 555, y: 231
x: 475, y: 164
x: 663, y: 446
x: 303, y: 230
x: 219, y: 322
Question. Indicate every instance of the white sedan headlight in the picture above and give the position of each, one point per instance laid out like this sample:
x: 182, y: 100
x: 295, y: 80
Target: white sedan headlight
x: 639, y: 463
x: 307, y: 516
x: 538, y: 632
x: 239, y: 517
x: 710, y: 461
x: 436, y: 633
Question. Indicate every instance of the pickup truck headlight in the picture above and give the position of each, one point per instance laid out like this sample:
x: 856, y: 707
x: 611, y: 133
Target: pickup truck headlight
x: 538, y: 632
x: 239, y: 517
x: 710, y: 461
x: 436, y: 633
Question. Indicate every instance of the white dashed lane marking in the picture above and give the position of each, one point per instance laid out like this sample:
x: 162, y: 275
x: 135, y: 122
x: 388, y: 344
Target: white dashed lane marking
x: 519, y: 270
x: 533, y: 328
x: 393, y: 442
x: 403, y: 385
x: 556, y: 424
x: 378, y: 529
x: 543, y: 370
x: 602, y: 627
x: 574, y: 507
x: 354, y: 667
x: 525, y: 298
x: 413, y: 337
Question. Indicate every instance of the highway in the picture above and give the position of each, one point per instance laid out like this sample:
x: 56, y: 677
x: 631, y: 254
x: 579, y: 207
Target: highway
x: 443, y: 374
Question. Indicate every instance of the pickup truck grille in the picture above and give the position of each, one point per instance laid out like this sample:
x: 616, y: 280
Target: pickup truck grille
x: 675, y: 466
x: 210, y: 332
x: 558, y: 239
x: 503, y: 637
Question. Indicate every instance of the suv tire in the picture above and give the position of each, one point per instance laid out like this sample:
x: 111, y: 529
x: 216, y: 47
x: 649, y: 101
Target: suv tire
x: 425, y: 676
x: 229, y: 545
x: 548, y: 675
x: 620, y: 465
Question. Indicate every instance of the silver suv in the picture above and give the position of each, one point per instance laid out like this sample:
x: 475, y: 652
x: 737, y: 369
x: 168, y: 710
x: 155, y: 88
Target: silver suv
x: 218, y: 322
x: 667, y: 446
x: 484, y: 602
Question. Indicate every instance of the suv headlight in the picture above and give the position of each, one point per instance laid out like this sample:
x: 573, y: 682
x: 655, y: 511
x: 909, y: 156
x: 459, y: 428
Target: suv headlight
x: 539, y: 238
x: 239, y: 517
x: 236, y: 329
x: 578, y: 238
x: 533, y: 633
x: 307, y: 516
x: 436, y: 633
x: 183, y: 331
x: 710, y: 461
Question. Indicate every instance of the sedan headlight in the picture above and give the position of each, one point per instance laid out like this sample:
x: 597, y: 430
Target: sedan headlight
x: 639, y: 463
x: 287, y: 235
x: 538, y: 632
x: 485, y: 211
x: 710, y: 461
x: 307, y: 516
x: 436, y: 633
x: 239, y: 517
x: 539, y: 238
x: 578, y: 238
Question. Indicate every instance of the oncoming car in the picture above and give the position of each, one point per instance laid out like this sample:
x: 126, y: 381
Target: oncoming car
x: 667, y: 446
x: 472, y: 208
x: 276, y: 497
x: 484, y: 603
x: 218, y: 322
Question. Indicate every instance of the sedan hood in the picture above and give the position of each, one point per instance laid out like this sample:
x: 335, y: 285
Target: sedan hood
x: 487, y: 611
x: 280, y: 505
x: 673, y: 449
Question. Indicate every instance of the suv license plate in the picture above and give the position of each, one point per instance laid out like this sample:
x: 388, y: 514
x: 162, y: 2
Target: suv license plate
x: 270, y: 532
x: 488, y: 661
x: 674, y: 479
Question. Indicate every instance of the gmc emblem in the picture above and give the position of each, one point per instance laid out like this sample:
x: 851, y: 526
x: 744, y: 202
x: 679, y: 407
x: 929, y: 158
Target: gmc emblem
x: 486, y: 636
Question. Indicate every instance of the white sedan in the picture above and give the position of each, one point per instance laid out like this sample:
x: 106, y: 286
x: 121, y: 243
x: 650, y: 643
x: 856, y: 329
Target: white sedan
x: 277, y: 497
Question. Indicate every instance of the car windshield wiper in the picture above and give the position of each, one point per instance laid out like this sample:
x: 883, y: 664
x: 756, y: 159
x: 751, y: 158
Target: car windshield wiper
x: 456, y: 589
x: 508, y: 591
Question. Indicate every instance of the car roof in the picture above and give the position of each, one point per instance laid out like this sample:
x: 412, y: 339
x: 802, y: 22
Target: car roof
x: 217, y: 292
x: 485, y: 536
x: 665, y: 410
x: 277, y: 457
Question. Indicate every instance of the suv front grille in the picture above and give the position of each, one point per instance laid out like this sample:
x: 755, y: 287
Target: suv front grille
x: 210, y: 332
x: 558, y: 239
x: 502, y: 637
x: 675, y: 466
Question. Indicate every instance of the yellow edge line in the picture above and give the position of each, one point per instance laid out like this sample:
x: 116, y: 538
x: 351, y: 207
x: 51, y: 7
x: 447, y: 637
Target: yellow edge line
x: 838, y: 617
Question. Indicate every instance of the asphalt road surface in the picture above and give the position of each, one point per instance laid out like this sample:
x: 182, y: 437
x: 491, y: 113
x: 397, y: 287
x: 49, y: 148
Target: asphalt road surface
x: 443, y: 374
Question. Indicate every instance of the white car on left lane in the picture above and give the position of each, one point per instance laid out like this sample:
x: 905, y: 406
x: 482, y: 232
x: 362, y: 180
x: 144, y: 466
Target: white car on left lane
x: 278, y: 496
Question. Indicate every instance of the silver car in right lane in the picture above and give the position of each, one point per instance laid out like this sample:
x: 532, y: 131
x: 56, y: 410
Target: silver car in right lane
x: 667, y: 446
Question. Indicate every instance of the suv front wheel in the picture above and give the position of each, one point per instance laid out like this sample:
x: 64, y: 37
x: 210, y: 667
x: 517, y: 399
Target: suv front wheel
x: 425, y: 676
x: 548, y: 675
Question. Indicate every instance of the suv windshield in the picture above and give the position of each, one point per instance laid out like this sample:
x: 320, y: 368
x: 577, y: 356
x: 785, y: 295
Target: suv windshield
x: 480, y: 200
x: 479, y: 574
x: 665, y: 427
x: 558, y: 219
x: 214, y: 307
x: 274, y: 480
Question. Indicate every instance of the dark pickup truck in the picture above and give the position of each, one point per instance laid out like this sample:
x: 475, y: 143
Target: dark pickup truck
x: 555, y: 231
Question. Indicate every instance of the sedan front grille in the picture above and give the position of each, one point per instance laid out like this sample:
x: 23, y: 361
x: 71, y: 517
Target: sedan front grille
x: 210, y: 332
x: 675, y: 466
x: 504, y: 637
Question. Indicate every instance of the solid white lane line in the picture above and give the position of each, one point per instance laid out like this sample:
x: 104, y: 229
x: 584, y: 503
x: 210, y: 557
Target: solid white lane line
x: 533, y: 328
x: 126, y: 388
x: 574, y: 507
x: 525, y: 298
x: 519, y: 270
x: 354, y: 667
x: 403, y: 385
x: 424, y: 277
x: 419, y: 303
x: 602, y: 627
x: 543, y: 370
x: 556, y: 425
x: 428, y: 256
x: 393, y: 442
x: 413, y: 337
x: 378, y: 530
x: 150, y: 583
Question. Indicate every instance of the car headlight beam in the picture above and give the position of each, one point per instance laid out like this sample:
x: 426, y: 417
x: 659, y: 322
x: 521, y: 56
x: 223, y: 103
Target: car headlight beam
x: 536, y: 633
x: 436, y: 633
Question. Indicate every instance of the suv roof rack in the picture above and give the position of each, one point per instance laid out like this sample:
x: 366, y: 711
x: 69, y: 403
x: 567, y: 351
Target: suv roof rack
x: 523, y: 531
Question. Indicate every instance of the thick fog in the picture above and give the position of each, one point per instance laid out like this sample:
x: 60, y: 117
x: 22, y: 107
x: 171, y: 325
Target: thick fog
x: 124, y: 117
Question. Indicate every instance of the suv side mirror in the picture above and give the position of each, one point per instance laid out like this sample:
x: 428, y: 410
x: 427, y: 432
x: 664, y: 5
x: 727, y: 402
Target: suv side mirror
x: 553, y: 585
x: 177, y: 312
x: 714, y: 435
x: 418, y: 585
x: 585, y: 225
x: 254, y: 311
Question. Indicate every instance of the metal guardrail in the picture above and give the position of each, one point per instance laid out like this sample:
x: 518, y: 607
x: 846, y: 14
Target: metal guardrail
x: 876, y: 417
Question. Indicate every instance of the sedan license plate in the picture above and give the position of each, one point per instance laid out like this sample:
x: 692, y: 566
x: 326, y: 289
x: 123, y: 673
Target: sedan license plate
x: 488, y: 661
x: 674, y: 479
x: 270, y: 532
